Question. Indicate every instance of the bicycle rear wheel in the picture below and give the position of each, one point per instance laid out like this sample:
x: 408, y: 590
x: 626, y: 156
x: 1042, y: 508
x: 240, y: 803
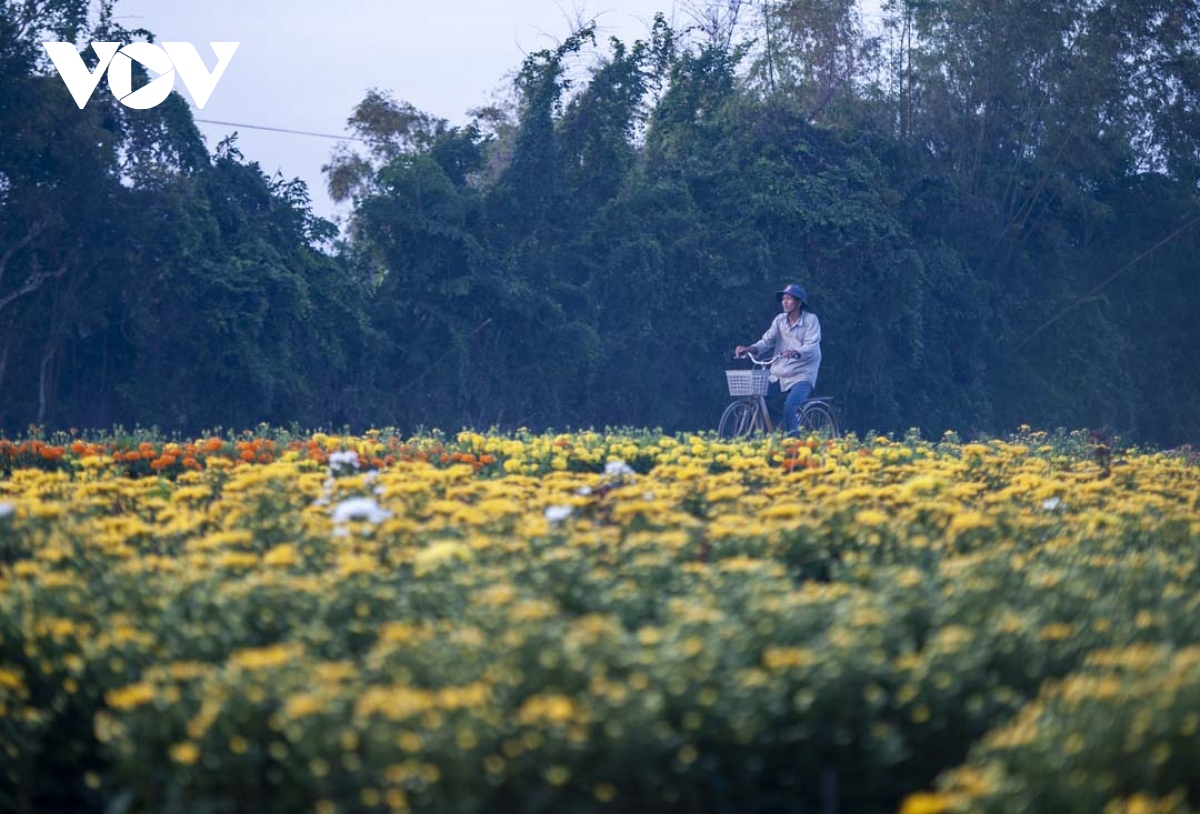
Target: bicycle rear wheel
x: 817, y: 418
x: 738, y: 420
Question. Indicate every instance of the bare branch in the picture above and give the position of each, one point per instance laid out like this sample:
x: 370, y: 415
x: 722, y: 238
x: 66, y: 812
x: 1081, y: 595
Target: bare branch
x: 717, y: 19
x: 34, y: 230
x: 34, y: 282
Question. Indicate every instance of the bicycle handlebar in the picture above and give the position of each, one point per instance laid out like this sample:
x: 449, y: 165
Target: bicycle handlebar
x: 756, y: 360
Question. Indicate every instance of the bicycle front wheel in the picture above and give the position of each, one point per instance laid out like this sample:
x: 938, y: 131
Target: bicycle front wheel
x: 738, y: 420
x: 816, y: 418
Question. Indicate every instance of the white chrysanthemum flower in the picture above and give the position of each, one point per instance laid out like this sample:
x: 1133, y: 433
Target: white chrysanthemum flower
x: 360, y: 508
x: 557, y: 514
x: 347, y: 459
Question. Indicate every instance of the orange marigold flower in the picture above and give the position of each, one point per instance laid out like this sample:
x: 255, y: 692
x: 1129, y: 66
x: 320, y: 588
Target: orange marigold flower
x: 248, y: 455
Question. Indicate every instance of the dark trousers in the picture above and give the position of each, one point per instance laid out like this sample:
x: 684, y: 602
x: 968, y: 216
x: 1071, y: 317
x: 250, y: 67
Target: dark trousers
x: 792, y: 400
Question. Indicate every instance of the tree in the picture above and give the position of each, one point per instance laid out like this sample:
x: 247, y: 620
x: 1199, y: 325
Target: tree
x: 813, y: 51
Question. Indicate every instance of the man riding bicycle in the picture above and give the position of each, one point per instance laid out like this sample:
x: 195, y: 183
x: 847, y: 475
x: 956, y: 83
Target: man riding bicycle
x: 795, y: 339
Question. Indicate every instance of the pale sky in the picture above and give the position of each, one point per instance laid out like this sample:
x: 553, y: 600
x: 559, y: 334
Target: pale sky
x: 304, y: 64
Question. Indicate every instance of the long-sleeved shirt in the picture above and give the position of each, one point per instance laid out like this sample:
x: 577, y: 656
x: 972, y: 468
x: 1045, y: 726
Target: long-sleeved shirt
x: 804, y: 336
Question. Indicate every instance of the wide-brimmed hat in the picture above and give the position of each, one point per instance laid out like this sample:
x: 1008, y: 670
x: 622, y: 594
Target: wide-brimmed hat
x: 795, y: 290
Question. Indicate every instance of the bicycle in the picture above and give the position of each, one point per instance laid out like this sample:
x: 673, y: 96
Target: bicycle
x: 748, y: 412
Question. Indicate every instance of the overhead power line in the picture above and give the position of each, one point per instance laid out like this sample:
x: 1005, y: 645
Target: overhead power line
x: 1108, y: 280
x: 281, y: 130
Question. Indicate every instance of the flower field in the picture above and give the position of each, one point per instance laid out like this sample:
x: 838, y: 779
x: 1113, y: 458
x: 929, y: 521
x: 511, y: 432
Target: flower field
x: 591, y: 622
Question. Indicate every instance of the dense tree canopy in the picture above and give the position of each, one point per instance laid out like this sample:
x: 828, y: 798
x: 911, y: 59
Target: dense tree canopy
x: 993, y: 205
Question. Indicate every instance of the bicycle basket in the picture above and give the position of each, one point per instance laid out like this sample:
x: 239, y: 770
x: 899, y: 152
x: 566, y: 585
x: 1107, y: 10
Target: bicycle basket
x: 748, y: 382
